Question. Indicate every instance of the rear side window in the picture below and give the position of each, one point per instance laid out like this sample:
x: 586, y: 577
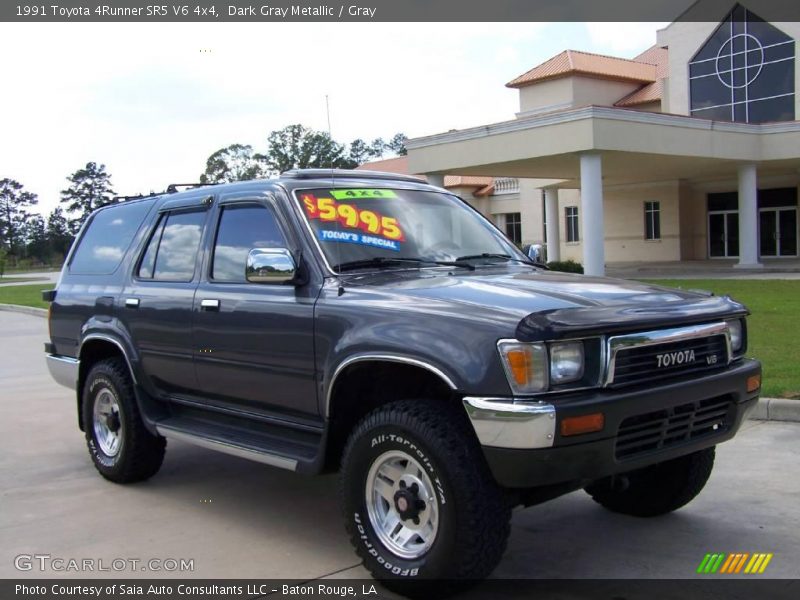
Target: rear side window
x: 173, y: 248
x: 107, y: 237
x: 242, y: 228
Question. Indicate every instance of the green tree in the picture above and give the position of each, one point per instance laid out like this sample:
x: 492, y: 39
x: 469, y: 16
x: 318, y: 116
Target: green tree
x: 90, y: 188
x: 359, y: 151
x: 36, y: 243
x: 298, y: 147
x: 398, y: 144
x: 59, y: 236
x: 377, y: 148
x: 13, y: 214
x: 236, y: 162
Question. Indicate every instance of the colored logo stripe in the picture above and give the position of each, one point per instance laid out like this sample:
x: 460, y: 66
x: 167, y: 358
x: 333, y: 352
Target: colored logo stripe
x: 738, y: 562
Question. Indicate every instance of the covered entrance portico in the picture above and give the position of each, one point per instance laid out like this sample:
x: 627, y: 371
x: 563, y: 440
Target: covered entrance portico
x: 614, y: 155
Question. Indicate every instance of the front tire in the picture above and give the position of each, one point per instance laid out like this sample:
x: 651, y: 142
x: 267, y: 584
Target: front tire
x: 657, y: 489
x: 121, y: 448
x: 419, y: 500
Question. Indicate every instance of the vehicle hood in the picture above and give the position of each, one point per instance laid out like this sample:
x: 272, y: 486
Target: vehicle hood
x: 547, y: 304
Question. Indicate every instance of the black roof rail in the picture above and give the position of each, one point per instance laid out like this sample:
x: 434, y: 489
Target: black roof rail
x: 138, y: 196
x: 347, y: 174
x: 172, y: 188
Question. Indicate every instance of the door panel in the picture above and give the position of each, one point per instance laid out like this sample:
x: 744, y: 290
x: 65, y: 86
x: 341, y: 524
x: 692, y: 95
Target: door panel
x: 768, y: 232
x: 716, y: 235
x: 788, y: 232
x: 254, y: 347
x: 732, y: 233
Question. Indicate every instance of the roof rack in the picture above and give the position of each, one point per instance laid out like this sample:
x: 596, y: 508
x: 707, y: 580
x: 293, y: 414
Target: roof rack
x: 347, y: 174
x: 172, y: 188
x: 138, y: 196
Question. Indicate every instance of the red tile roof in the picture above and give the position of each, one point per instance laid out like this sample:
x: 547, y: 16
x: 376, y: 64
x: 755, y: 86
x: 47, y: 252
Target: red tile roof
x: 573, y: 62
x: 652, y: 92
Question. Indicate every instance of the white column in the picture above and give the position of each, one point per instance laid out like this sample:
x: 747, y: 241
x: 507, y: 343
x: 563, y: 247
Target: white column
x: 748, y: 218
x: 551, y: 218
x: 435, y: 179
x: 592, y: 217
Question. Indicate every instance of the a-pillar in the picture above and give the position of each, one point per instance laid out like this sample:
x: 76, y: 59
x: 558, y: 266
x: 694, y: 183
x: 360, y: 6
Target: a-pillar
x: 435, y: 179
x: 592, y: 209
x: 551, y: 218
x: 748, y: 218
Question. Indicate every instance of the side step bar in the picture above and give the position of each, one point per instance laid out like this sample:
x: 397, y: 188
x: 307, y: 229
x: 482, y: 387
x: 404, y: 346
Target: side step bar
x: 227, y: 447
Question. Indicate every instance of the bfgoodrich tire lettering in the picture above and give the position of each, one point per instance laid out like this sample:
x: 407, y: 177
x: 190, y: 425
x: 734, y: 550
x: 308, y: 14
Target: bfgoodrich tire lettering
x: 472, y: 512
x: 658, y: 489
x: 121, y: 448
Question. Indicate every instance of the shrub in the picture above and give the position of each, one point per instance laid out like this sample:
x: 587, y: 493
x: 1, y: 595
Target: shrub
x: 567, y: 266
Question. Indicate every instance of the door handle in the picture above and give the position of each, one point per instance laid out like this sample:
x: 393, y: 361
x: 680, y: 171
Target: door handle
x: 209, y: 304
x: 131, y: 302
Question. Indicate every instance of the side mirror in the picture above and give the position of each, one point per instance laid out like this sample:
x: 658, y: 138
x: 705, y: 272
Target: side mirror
x: 270, y: 265
x: 537, y: 253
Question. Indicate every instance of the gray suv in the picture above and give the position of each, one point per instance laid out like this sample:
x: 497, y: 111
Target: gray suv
x: 375, y: 325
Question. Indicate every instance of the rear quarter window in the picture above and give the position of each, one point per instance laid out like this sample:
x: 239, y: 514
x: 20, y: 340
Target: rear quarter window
x: 107, y: 238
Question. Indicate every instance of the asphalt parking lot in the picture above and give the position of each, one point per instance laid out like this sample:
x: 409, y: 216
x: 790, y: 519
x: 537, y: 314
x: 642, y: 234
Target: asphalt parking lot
x: 237, y: 519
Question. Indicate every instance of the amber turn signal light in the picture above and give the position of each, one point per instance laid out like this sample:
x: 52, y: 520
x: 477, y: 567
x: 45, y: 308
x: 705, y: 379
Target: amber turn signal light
x: 582, y: 424
x: 753, y: 383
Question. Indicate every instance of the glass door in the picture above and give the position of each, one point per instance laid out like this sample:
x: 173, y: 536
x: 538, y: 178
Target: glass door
x: 778, y: 232
x: 787, y: 232
x: 723, y: 234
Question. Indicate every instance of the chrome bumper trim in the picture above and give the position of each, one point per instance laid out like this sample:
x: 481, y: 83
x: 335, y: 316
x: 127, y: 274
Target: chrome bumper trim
x: 64, y: 369
x: 512, y: 423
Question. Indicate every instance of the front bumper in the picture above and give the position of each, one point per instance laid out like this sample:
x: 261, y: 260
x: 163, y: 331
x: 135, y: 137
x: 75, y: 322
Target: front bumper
x: 524, y: 449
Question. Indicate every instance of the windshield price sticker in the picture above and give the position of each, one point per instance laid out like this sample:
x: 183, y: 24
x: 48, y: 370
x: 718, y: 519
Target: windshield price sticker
x: 369, y: 221
x: 362, y: 193
x: 364, y: 239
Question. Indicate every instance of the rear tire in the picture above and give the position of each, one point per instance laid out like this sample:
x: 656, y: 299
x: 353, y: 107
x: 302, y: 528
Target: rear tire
x: 657, y: 489
x: 422, y: 457
x: 122, y: 449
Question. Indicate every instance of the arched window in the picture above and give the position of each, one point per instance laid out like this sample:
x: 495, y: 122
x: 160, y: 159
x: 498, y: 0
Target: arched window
x: 744, y: 72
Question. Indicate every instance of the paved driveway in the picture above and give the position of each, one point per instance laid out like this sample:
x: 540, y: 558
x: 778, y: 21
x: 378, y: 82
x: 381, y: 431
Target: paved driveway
x: 246, y: 520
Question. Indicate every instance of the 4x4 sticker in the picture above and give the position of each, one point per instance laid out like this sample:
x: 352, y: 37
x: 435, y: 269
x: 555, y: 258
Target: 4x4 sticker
x: 353, y: 217
x: 362, y: 193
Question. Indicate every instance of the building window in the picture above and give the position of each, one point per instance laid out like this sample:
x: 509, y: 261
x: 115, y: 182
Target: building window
x: 513, y: 225
x: 571, y: 220
x: 652, y: 220
x: 744, y: 72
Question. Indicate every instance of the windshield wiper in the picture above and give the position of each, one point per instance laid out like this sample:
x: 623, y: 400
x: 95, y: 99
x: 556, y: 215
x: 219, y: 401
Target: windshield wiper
x: 388, y: 261
x: 503, y: 256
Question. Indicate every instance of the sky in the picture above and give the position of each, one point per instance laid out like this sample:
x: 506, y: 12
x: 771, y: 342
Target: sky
x: 153, y: 101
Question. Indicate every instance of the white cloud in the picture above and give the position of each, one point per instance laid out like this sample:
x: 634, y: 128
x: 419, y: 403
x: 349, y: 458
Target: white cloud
x: 624, y: 39
x: 153, y: 101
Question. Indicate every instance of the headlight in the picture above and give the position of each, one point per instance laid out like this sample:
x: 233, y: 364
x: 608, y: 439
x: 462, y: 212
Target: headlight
x: 566, y: 362
x: 735, y: 330
x: 525, y: 365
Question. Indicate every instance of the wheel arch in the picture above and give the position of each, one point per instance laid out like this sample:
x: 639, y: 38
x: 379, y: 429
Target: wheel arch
x: 362, y: 383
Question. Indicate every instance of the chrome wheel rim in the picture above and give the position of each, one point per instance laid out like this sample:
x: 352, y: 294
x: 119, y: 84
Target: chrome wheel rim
x: 107, y: 422
x: 402, y: 504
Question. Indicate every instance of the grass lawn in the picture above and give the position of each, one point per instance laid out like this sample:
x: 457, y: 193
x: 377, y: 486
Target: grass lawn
x: 6, y: 280
x: 27, y: 295
x: 773, y: 327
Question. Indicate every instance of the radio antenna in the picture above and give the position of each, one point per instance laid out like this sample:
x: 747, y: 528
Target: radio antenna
x: 333, y: 177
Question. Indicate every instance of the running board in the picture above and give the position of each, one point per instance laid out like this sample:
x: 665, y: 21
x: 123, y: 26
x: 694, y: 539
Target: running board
x: 227, y: 447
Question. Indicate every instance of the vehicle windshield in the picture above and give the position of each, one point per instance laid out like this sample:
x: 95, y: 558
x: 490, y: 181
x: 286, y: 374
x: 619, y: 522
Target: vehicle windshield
x: 373, y: 228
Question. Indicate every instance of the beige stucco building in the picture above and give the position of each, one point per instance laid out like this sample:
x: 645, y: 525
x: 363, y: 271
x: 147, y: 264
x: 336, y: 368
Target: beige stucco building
x: 689, y: 151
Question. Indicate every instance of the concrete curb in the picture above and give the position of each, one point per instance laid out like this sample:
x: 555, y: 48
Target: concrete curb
x: 767, y: 409
x: 776, y: 409
x: 27, y: 310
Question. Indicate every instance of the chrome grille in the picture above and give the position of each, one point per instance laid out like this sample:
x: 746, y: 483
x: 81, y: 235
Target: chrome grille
x: 648, y: 356
x: 667, y: 428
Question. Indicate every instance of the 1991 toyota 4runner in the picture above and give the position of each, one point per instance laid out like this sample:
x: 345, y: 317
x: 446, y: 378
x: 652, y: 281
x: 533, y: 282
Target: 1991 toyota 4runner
x: 374, y: 324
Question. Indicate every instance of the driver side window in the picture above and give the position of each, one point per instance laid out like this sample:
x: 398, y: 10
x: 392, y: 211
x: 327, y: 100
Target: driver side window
x: 242, y: 228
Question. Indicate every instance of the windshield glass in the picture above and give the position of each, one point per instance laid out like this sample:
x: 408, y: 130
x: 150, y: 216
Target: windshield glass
x: 390, y: 226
